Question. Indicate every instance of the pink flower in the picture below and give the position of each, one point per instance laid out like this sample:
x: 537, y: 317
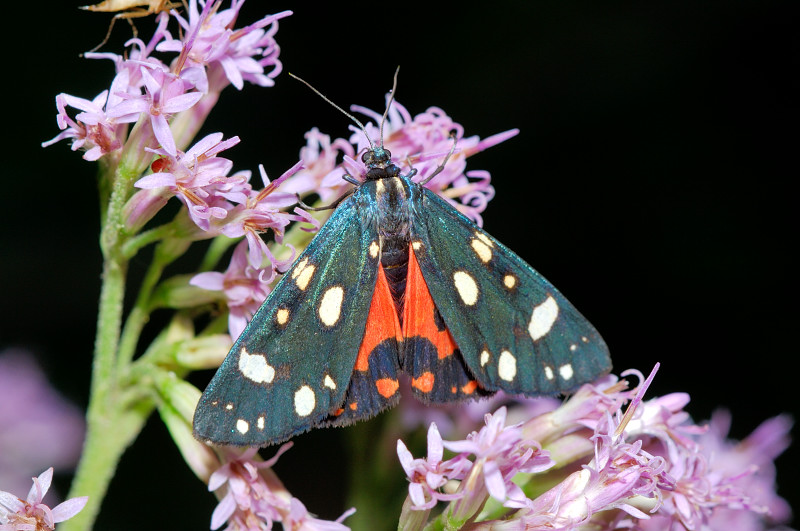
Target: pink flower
x: 250, y: 500
x: 245, y: 287
x: 719, y: 479
x: 255, y: 497
x: 198, y: 178
x: 91, y: 130
x: 32, y: 514
x: 500, y: 453
x: 240, y: 55
x: 428, y: 476
x: 321, y: 173
x: 261, y: 211
x: 165, y: 94
x: 299, y: 519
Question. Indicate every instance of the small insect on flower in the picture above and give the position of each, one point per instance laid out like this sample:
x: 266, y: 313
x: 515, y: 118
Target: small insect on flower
x: 128, y: 10
x: 397, y: 280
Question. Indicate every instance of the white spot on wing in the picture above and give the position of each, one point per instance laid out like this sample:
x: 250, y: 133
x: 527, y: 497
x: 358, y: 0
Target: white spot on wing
x: 484, y: 238
x: 542, y: 318
x: 282, y: 316
x: 242, y: 426
x: 509, y: 281
x: 304, y: 401
x: 304, y: 276
x: 507, y: 366
x: 373, y: 249
x: 484, y: 357
x: 466, y: 286
x: 548, y: 372
x: 330, y: 308
x: 566, y: 371
x: 299, y: 267
x: 482, y: 250
x: 260, y: 422
x: 255, y: 367
x: 329, y: 383
x: 229, y: 406
x: 416, y: 245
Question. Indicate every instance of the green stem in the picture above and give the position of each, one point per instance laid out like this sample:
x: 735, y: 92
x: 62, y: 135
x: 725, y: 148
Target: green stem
x: 109, y: 429
x: 140, y: 313
x: 133, y: 245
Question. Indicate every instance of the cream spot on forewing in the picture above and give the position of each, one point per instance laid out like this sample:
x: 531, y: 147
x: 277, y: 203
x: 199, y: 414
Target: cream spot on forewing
x: 566, y: 371
x: 416, y: 245
x: 484, y: 357
x: 548, y: 372
x: 507, y: 366
x: 484, y: 238
x: 299, y: 267
x: 373, y: 249
x: 585, y: 339
x: 242, y: 426
x: 482, y: 250
x: 329, y: 383
x: 466, y: 286
x: 229, y: 406
x: 573, y: 347
x: 330, y: 308
x: 255, y: 367
x: 304, y: 401
x: 509, y: 281
x: 543, y: 317
x: 282, y: 316
x: 260, y: 422
x: 304, y: 277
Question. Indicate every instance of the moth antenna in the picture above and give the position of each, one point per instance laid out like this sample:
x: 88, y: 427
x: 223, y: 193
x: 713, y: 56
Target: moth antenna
x: 321, y: 95
x: 389, y: 103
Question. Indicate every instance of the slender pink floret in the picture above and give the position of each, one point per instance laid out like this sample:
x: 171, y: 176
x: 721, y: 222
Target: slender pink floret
x: 33, y: 515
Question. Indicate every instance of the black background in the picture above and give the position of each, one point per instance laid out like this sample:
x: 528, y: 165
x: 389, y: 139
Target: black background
x: 651, y: 182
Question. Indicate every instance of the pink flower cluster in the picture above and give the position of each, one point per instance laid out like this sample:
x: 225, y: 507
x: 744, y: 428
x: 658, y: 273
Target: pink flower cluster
x: 169, y: 102
x: 255, y: 498
x: 649, y: 468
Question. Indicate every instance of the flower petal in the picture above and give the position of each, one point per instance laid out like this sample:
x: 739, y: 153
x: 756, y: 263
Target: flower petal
x: 69, y: 508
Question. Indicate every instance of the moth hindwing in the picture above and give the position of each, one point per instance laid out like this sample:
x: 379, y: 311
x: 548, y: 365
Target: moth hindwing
x: 397, y: 280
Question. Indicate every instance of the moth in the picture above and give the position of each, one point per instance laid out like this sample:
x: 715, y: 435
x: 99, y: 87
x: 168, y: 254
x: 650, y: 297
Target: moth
x: 396, y: 281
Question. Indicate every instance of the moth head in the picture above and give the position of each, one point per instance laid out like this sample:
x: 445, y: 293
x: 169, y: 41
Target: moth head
x: 379, y: 164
